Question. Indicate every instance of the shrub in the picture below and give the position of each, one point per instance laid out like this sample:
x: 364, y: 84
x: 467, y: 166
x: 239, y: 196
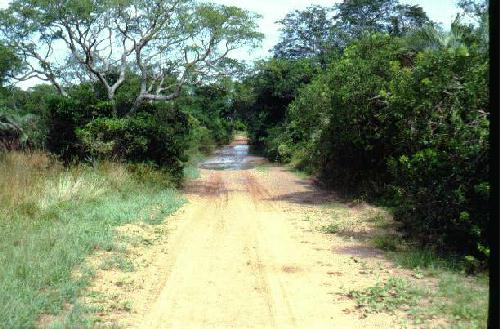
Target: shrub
x: 65, y: 115
x: 159, y: 138
x: 442, y: 175
x: 19, y: 131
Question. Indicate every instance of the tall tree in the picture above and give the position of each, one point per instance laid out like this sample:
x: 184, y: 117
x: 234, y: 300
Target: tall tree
x: 10, y: 64
x: 306, y: 34
x: 355, y: 17
x: 319, y: 32
x: 405, y: 18
x: 103, y: 40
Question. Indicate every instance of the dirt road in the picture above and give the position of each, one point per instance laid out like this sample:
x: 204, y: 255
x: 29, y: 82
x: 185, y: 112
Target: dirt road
x: 243, y: 253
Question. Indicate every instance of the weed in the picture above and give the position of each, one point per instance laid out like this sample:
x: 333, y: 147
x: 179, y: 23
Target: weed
x: 331, y: 228
x: 411, y: 257
x: 463, y: 301
x: 117, y: 262
x: 386, y: 242
x: 191, y: 172
x: 388, y: 296
x: 460, y: 299
x: 262, y: 168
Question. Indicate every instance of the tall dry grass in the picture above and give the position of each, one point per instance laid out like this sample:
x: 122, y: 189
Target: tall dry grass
x: 33, y: 181
x: 22, y: 176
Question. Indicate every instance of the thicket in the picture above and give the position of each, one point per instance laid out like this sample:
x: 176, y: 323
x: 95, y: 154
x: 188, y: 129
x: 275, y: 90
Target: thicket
x: 396, y: 116
x: 82, y: 126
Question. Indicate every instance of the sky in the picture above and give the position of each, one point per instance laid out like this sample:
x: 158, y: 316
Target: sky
x: 441, y: 11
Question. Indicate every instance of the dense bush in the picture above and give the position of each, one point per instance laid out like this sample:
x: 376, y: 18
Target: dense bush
x: 209, y: 108
x: 262, y: 100
x: 84, y: 125
x: 64, y: 116
x: 385, y: 120
x: 442, y: 172
x: 340, y: 117
x: 159, y: 137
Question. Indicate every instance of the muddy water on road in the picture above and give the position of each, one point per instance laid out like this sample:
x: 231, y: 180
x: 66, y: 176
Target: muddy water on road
x: 232, y: 157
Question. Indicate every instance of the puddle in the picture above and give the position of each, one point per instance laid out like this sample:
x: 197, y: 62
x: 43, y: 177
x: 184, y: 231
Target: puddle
x: 231, y: 157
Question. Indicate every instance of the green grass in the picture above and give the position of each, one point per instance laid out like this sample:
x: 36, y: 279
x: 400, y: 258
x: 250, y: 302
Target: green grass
x: 191, y: 171
x: 465, y: 301
x: 263, y: 167
x: 461, y: 301
x: 299, y: 173
x: 52, y: 218
x: 331, y: 228
x: 441, y: 281
x: 386, y: 243
x: 461, y: 298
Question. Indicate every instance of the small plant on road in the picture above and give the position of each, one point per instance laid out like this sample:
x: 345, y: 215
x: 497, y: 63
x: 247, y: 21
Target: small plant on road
x: 388, y: 296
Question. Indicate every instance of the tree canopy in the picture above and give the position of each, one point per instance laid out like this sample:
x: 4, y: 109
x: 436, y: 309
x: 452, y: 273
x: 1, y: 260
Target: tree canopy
x: 167, y: 43
x: 320, y: 32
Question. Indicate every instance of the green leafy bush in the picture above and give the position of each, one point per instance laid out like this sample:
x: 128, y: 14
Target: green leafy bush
x: 159, y: 138
x: 442, y: 176
x: 387, y: 121
x: 64, y: 116
x: 262, y: 100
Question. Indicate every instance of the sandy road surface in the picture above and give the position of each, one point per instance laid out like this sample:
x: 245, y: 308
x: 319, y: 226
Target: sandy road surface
x: 238, y: 258
x: 244, y: 252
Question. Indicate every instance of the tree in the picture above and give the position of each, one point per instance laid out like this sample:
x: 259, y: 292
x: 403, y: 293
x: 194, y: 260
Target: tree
x: 167, y: 43
x: 9, y: 64
x: 320, y: 32
x: 355, y: 17
x: 405, y: 18
x: 468, y: 32
x: 306, y: 34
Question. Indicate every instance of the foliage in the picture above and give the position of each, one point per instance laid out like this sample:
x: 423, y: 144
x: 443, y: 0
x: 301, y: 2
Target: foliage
x: 82, y: 126
x: 19, y: 131
x: 65, y: 115
x: 388, y: 118
x: 212, y: 117
x: 103, y: 41
x: 356, y: 17
x: 446, y: 155
x: 306, y: 34
x: 322, y: 33
x: 159, y: 137
x: 262, y: 100
x: 10, y: 64
x: 387, y: 296
x: 342, y: 126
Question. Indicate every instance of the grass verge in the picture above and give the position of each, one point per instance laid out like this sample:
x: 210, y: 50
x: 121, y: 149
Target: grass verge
x: 52, y: 218
x: 439, y: 287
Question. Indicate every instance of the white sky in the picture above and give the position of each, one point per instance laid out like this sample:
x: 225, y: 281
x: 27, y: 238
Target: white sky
x: 441, y: 11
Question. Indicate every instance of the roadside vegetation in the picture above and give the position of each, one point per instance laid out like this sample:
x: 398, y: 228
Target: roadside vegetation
x: 53, y: 217
x: 380, y: 103
x: 433, y: 290
x: 371, y: 98
x: 106, y: 140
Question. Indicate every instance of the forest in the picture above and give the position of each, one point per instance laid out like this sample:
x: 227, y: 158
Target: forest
x: 371, y: 98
